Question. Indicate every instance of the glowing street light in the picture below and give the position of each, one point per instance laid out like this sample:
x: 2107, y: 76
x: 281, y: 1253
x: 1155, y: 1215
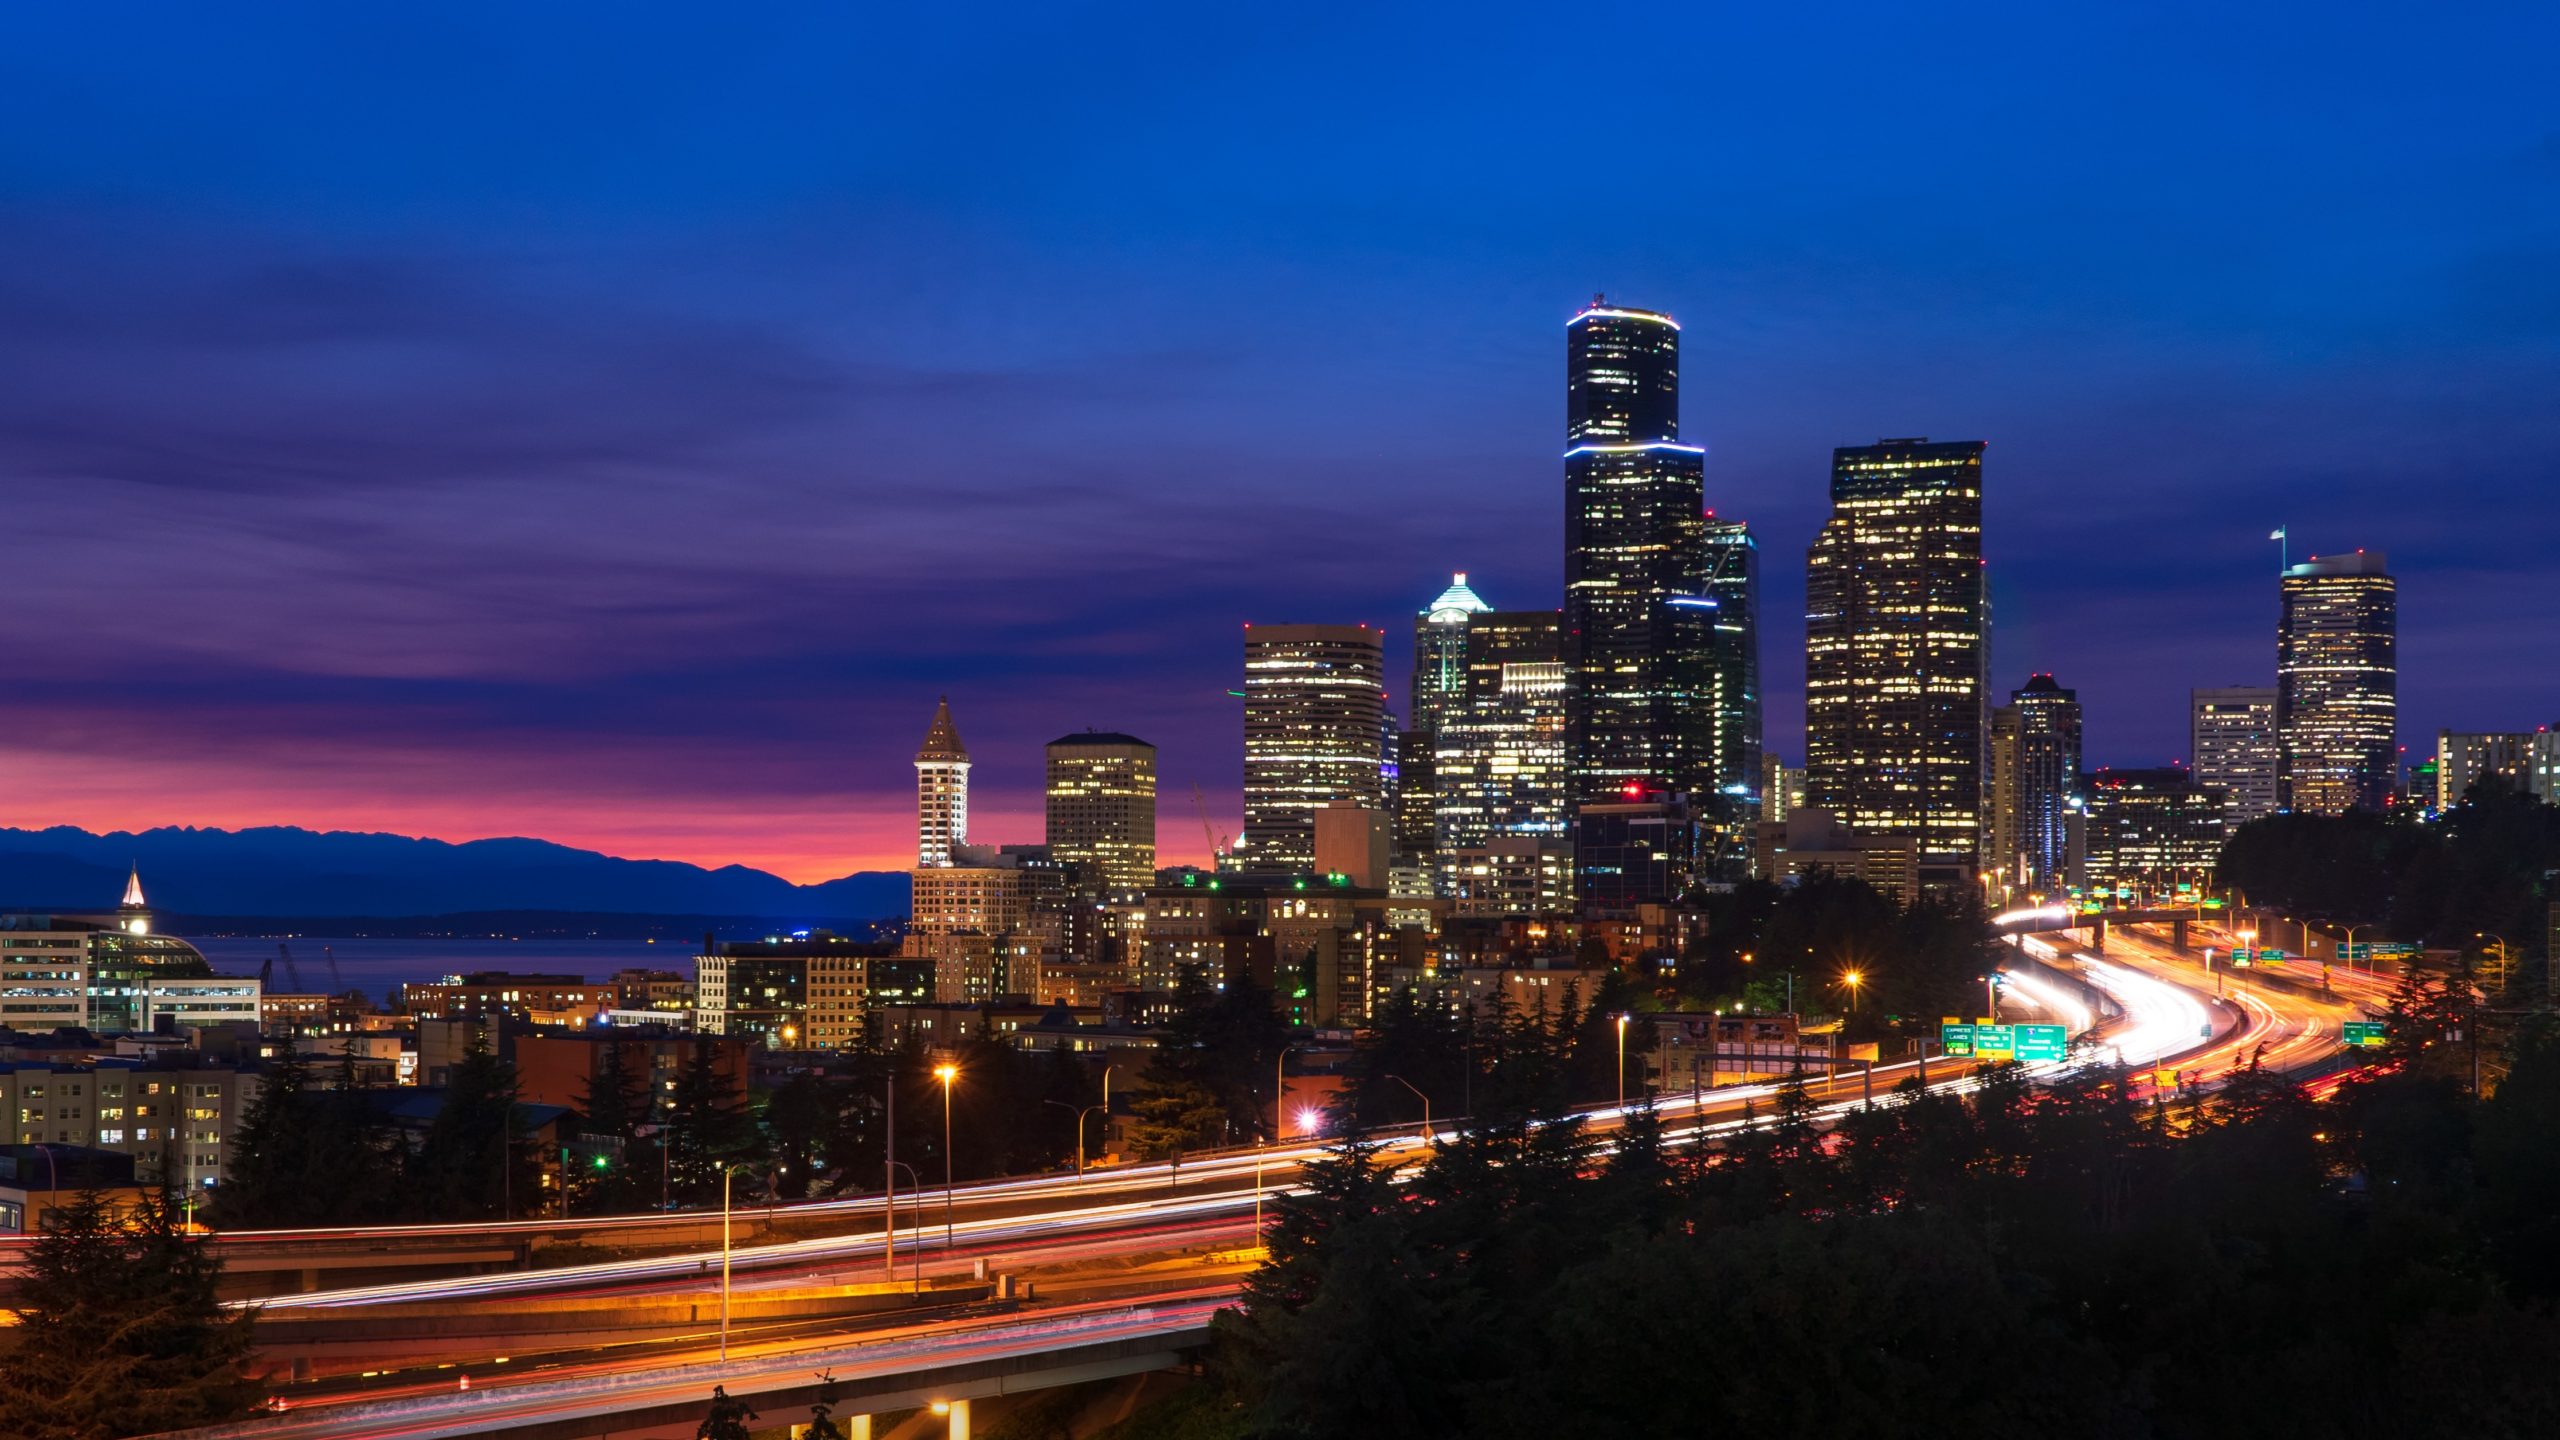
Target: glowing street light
x: 1622, y: 1060
x: 1853, y: 979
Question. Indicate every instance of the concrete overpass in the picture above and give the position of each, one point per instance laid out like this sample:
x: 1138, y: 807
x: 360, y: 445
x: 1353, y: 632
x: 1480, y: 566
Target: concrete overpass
x: 949, y: 1367
x: 2046, y: 918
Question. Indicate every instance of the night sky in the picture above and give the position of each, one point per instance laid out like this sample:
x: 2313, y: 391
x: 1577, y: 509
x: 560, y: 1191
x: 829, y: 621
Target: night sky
x: 617, y: 424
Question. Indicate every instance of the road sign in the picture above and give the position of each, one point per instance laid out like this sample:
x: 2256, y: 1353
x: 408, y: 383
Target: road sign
x: 2273, y: 955
x: 1956, y: 1039
x: 2240, y: 957
x: 2363, y: 1032
x: 1995, y: 1042
x: 2041, y: 1042
x: 2379, y: 950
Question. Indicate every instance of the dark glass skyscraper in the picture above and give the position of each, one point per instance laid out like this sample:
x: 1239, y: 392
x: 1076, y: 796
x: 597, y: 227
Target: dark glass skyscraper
x: 1639, y: 624
x: 1897, y: 632
x: 1733, y: 582
x: 2035, y: 770
x: 2337, y: 684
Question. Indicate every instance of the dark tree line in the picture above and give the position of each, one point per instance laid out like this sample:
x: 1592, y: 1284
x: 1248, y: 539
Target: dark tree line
x: 2007, y: 1263
x: 313, y: 1155
x: 2484, y: 865
x: 1916, y: 963
x: 118, y: 1328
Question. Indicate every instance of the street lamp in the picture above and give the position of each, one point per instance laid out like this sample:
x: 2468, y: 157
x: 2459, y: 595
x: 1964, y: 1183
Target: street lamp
x: 915, y: 1208
x: 2502, y: 954
x: 1853, y: 980
x: 1622, y: 1059
x: 726, y: 1171
x: 1418, y: 1095
x: 946, y: 1073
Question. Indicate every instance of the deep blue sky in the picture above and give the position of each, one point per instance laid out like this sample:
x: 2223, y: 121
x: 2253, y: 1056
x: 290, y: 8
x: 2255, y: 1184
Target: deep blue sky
x: 617, y: 423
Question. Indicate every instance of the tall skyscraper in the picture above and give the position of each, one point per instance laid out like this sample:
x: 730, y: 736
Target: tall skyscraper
x: 2231, y: 744
x: 1733, y: 742
x: 1439, y: 686
x: 2337, y: 684
x: 2035, y: 769
x: 1897, y: 632
x: 1102, y: 811
x: 942, y: 790
x: 1638, y: 620
x: 1501, y: 753
x: 1314, y: 706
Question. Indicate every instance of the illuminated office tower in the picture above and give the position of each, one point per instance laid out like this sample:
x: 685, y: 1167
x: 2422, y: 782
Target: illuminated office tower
x: 1102, y: 811
x: 942, y: 790
x: 1314, y: 712
x: 2231, y: 745
x: 1897, y: 631
x: 1638, y: 621
x: 2035, y: 770
x: 2336, y: 684
x: 1501, y: 753
x: 1733, y: 757
x: 1439, y: 682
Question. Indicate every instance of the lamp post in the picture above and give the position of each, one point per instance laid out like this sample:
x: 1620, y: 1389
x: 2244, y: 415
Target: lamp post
x: 1418, y: 1095
x: 946, y: 1073
x: 1079, y: 1114
x: 1622, y: 1060
x: 915, y: 1208
x: 2501, y: 948
x: 726, y: 1171
x: 1853, y: 980
x: 889, y: 1179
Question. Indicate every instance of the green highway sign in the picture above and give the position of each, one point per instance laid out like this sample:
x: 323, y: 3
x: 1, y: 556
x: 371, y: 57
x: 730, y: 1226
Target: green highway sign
x: 2240, y: 957
x: 2379, y: 950
x: 2363, y: 1032
x: 2273, y: 955
x: 2041, y: 1042
x: 1956, y: 1039
x: 1995, y: 1042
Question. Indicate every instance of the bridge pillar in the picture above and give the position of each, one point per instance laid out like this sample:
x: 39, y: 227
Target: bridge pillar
x: 2098, y: 936
x: 2178, y: 933
x: 959, y: 1420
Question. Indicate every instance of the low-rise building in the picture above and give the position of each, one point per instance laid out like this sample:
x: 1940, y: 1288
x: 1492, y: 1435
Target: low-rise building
x: 1812, y: 839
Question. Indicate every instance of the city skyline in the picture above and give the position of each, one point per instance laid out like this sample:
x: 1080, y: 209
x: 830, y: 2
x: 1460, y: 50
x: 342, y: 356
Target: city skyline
x: 454, y: 491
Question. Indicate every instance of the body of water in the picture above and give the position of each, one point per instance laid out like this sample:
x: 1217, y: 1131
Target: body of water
x: 375, y: 965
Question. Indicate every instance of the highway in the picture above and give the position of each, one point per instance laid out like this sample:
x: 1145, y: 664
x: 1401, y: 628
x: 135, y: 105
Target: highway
x: 1056, y: 1227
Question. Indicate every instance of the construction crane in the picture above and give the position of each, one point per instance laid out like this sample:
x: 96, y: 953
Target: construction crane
x: 1216, y: 838
x: 292, y: 974
x: 337, y: 982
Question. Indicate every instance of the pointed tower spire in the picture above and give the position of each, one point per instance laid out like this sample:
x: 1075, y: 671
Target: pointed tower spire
x: 133, y: 891
x: 942, y: 739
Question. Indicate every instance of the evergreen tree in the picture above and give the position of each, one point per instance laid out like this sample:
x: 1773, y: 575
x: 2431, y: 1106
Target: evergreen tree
x: 474, y: 1163
x: 266, y: 1183
x: 706, y: 1128
x: 1173, y: 1118
x: 119, y: 1329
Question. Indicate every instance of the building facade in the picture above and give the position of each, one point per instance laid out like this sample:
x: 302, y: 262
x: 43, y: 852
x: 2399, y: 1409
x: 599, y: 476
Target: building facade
x: 1734, y: 741
x: 2035, y: 770
x: 1314, y: 712
x: 2337, y: 684
x: 1638, y: 622
x: 1897, y: 636
x: 2231, y: 745
x: 1102, y: 811
x: 2153, y: 829
x: 1502, y: 756
x: 1439, y: 690
x: 2462, y: 760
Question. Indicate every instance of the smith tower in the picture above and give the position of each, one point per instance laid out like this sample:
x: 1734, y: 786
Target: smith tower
x: 1897, y: 631
x: 942, y: 790
x: 1639, y: 623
